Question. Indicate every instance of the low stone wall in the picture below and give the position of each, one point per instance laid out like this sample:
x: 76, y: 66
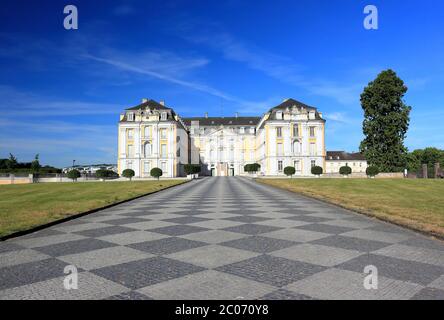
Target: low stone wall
x: 12, y: 179
x: 390, y: 175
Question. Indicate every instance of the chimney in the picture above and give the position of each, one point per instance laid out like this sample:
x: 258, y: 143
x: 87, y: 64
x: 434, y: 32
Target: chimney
x: 236, y: 114
x: 144, y: 100
x: 162, y: 102
x: 206, y: 115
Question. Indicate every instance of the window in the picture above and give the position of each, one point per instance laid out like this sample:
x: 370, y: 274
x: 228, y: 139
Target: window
x: 296, y: 147
x: 252, y: 130
x: 280, y: 165
x: 146, y: 167
x: 252, y: 155
x: 147, y: 132
x: 178, y: 152
x: 297, y: 165
x: 163, y: 116
x: 280, y: 149
x: 279, y: 132
x: 130, y: 133
x: 163, y: 150
x: 313, y: 163
x: 295, y: 130
x: 178, y: 139
x: 130, y: 151
x: 312, y: 132
x: 163, y: 166
x: 279, y: 115
x: 147, y: 150
x: 163, y: 133
x: 241, y: 130
x: 312, y: 149
x: 130, y: 116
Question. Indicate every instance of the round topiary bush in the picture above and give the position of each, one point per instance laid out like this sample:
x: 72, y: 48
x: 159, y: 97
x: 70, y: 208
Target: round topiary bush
x: 316, y: 170
x: 128, y: 173
x: 345, y: 170
x: 289, y: 171
x: 372, y: 171
x: 156, y: 173
x: 73, y: 174
x: 247, y: 168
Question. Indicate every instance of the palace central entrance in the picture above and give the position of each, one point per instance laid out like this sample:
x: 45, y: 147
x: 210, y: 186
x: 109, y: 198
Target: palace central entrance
x: 222, y: 169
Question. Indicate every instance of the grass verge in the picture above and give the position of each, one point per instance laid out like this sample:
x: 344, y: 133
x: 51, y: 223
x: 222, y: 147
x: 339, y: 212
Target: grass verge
x: 23, y: 207
x: 414, y: 203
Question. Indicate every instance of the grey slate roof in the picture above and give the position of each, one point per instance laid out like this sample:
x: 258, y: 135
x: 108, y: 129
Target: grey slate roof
x: 150, y: 103
x: 333, y: 155
x: 226, y: 121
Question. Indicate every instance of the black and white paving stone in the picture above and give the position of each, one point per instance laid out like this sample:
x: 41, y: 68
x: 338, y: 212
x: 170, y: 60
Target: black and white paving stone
x: 222, y: 238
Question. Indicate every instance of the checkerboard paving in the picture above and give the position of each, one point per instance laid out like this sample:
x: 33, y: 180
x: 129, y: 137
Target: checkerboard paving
x: 222, y: 238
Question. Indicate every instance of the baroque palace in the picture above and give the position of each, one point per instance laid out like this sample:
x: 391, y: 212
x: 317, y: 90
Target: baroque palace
x: 153, y: 135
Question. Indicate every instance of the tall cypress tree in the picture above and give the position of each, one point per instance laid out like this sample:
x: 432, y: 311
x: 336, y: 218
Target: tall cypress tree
x: 386, y: 121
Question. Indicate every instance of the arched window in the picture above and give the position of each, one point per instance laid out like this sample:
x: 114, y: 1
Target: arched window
x: 147, y: 149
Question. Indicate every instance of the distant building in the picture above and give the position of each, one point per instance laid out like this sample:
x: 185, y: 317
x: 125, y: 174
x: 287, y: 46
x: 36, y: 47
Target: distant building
x: 337, y: 159
x: 91, y: 168
x: 153, y: 135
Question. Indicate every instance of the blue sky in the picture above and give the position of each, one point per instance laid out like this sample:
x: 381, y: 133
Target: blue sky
x: 62, y: 91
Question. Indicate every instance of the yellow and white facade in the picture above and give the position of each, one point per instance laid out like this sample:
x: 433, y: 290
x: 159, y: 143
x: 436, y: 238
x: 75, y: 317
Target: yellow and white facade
x: 290, y: 134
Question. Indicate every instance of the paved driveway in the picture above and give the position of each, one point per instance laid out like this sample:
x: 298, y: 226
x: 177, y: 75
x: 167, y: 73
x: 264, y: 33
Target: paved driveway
x: 222, y: 238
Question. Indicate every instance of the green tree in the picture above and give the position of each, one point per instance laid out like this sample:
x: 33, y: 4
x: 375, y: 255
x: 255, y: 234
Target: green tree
x: 35, y: 164
x: 156, y: 173
x: 12, y: 162
x: 128, y: 173
x: 428, y: 156
x: 74, y: 174
x: 289, y: 171
x: 386, y: 121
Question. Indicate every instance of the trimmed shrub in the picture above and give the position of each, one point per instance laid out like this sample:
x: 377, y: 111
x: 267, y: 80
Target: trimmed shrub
x: 372, y: 171
x: 316, y: 170
x: 196, y: 168
x: 106, y: 174
x: 128, y: 173
x: 156, y: 173
x: 73, y: 174
x: 345, y: 170
x: 289, y: 171
x: 192, y: 169
x: 255, y: 167
x: 252, y: 167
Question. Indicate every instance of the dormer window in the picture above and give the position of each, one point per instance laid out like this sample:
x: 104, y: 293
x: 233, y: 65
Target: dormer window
x: 279, y: 115
x: 241, y: 130
x: 163, y: 116
x: 130, y: 116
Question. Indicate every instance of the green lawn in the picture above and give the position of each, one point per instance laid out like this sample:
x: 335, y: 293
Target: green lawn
x: 416, y: 203
x: 25, y: 206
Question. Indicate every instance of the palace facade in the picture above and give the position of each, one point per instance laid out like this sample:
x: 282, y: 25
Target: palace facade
x: 152, y: 135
